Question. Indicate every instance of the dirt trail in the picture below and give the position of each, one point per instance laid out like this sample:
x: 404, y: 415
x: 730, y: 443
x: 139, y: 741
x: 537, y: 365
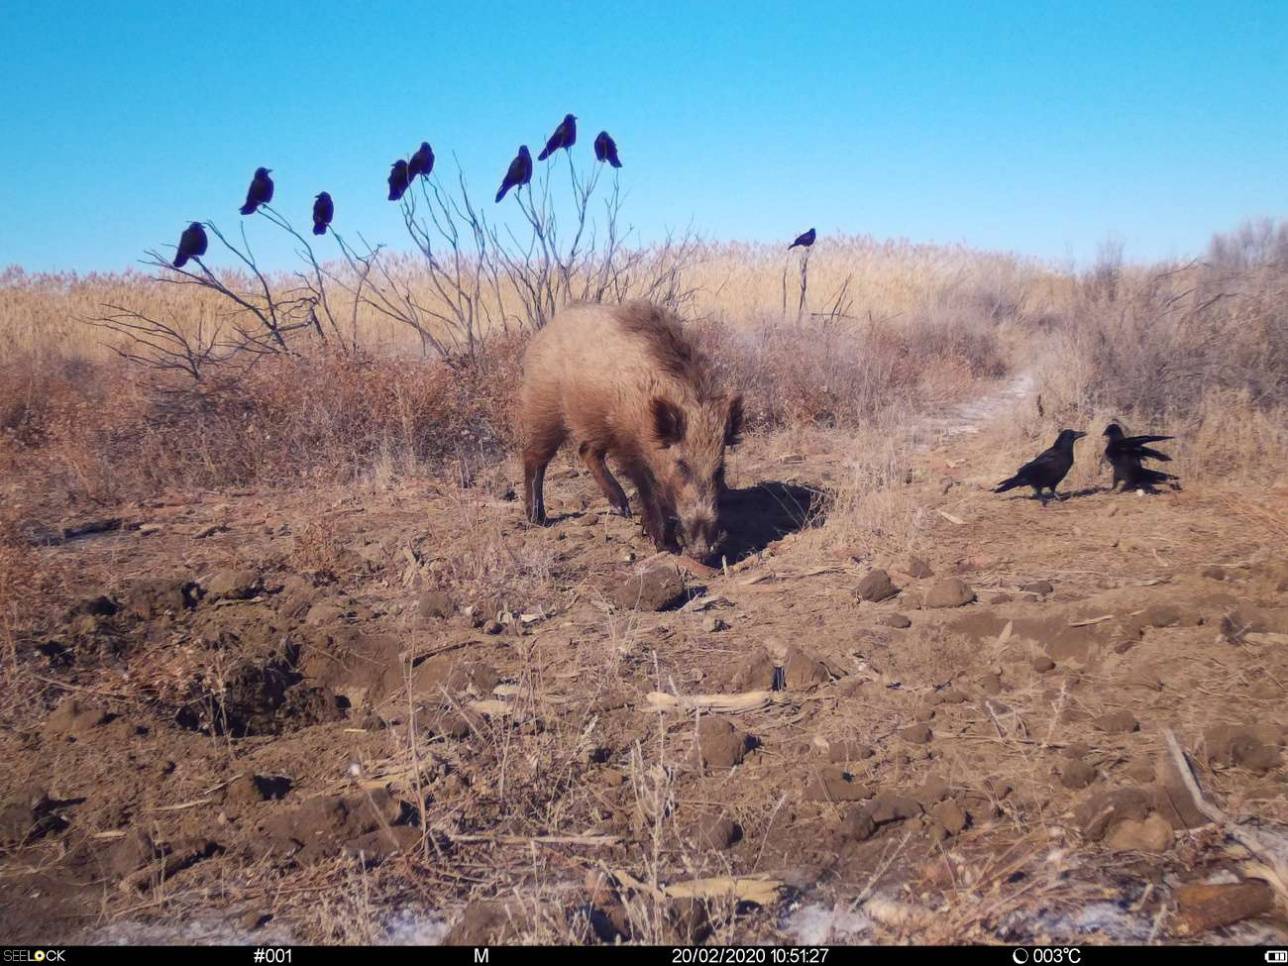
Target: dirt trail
x: 341, y: 716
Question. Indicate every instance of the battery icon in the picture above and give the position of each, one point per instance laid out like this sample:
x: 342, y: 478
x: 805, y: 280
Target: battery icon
x: 1277, y: 955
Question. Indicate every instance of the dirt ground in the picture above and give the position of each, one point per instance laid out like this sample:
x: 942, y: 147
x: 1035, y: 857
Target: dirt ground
x: 398, y: 714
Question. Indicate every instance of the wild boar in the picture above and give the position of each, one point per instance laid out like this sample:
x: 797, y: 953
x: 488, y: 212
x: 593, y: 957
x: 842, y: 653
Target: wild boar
x: 626, y: 382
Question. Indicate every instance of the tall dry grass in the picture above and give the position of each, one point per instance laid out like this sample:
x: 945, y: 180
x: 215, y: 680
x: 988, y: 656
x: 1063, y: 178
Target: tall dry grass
x: 1198, y: 350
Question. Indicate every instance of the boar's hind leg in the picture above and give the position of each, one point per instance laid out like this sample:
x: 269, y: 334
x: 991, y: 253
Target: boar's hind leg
x: 593, y: 457
x: 536, y: 457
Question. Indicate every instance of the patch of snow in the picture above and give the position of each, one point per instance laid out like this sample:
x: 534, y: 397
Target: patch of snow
x: 817, y: 925
x: 415, y: 927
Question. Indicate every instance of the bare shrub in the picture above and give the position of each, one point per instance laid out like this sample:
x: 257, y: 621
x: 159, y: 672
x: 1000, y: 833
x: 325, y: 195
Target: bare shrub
x: 1198, y: 349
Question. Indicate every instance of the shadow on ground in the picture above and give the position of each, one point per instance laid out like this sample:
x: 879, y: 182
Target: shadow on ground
x: 756, y: 516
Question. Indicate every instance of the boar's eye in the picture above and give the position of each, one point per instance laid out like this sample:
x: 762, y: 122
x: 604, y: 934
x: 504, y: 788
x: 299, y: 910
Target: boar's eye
x: 682, y: 468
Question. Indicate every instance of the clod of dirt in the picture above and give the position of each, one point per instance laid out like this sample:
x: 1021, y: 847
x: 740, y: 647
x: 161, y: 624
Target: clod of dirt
x: 1042, y: 664
x: 933, y: 791
x: 490, y: 922
x: 73, y: 718
x: 899, y: 621
x: 856, y: 825
x: 918, y: 568
x: 1117, y: 723
x: 1235, y: 746
x: 324, y: 612
x: 713, y: 624
x: 1215, y: 573
x: 948, y: 695
x: 435, y: 604
x: 918, y: 734
x: 835, y: 784
x: 657, y: 588
x: 360, y: 666
x: 889, y: 807
x: 384, y: 842
x: 1099, y: 813
x: 252, y: 789
x: 876, y: 586
x: 720, y: 744
x: 1203, y: 907
x: 1162, y: 615
x: 1076, y: 774
x: 1002, y: 598
x: 1040, y: 587
x: 132, y: 852
x: 950, y: 592
x: 295, y: 596
x: 1154, y: 834
x: 801, y: 671
x: 950, y: 816
x: 990, y: 682
x: 155, y: 596
x: 754, y: 672
x: 716, y: 832
x: 28, y: 818
x: 231, y: 585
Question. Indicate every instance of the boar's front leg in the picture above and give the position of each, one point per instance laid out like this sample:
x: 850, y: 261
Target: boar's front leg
x: 654, y: 518
x: 593, y: 457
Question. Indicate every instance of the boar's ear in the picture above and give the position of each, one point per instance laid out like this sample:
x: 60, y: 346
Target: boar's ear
x: 668, y: 421
x: 733, y: 421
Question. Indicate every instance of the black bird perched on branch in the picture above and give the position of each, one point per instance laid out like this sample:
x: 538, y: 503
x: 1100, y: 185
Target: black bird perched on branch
x: 804, y: 240
x: 398, y: 179
x: 323, y: 212
x: 565, y: 136
x: 1048, y: 469
x: 606, y: 149
x: 192, y: 244
x: 1125, y: 455
x: 422, y: 162
x: 520, y: 172
x: 260, y: 191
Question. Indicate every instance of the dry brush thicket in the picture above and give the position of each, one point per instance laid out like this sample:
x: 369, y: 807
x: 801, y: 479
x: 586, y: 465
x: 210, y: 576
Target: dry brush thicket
x: 411, y: 368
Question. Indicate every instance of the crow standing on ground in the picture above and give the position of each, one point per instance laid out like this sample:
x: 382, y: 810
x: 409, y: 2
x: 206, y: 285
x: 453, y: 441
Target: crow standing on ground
x: 606, y: 149
x: 565, y: 136
x: 804, y: 240
x: 192, y: 244
x: 323, y: 212
x: 260, y: 191
x: 422, y: 162
x: 1048, y: 469
x: 520, y: 172
x: 1125, y: 454
x: 398, y: 179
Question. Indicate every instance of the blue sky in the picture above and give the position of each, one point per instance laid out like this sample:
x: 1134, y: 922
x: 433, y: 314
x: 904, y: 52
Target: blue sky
x: 1043, y: 128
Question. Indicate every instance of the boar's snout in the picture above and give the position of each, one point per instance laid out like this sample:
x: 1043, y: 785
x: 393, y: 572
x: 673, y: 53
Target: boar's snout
x: 700, y: 537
